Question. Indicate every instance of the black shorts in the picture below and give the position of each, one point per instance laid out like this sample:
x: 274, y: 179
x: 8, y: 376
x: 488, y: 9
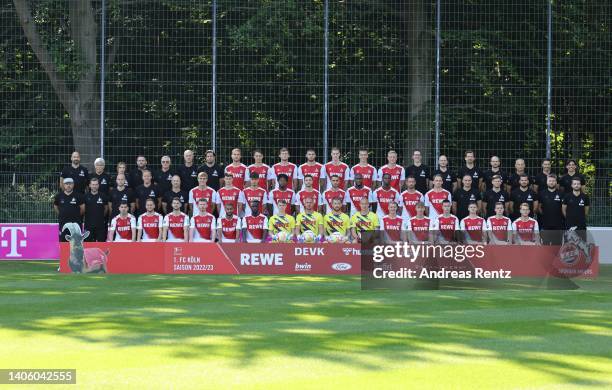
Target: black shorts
x: 552, y: 235
x: 96, y: 233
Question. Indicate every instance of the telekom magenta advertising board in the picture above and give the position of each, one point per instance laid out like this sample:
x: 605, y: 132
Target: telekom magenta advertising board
x: 29, y: 241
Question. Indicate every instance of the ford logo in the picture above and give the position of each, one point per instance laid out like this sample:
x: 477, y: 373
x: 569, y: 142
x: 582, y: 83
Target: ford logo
x: 341, y: 266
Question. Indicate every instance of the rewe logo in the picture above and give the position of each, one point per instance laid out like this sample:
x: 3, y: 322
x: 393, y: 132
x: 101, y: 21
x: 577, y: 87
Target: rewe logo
x: 261, y: 259
x: 13, y: 241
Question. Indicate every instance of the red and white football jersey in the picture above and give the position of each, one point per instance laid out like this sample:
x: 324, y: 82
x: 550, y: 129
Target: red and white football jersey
x: 238, y: 172
x: 249, y: 194
x: 383, y: 197
x: 303, y: 194
x: 231, y: 195
x: 329, y: 195
x: 263, y: 171
x: 397, y: 172
x: 203, y: 226
x: 195, y: 194
x: 176, y: 226
x: 499, y: 226
x: 434, y: 199
x: 474, y: 227
x: 315, y: 170
x: 354, y: 195
x: 409, y: 201
x: 151, y: 225
x: 368, y: 172
x: 420, y: 227
x: 447, y: 226
x: 276, y: 195
x: 526, y: 229
x: 255, y: 227
x: 288, y: 169
x: 122, y: 227
x: 392, y: 226
x: 229, y: 228
x: 341, y: 170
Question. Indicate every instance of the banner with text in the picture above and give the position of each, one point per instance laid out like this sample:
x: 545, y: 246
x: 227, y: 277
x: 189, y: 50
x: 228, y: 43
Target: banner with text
x: 209, y: 258
x: 29, y: 241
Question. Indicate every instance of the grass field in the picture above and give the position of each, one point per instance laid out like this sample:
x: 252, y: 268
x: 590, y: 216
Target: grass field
x: 170, y: 331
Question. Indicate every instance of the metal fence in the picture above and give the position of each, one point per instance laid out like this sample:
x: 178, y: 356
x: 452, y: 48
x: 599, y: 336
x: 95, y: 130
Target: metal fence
x: 519, y: 78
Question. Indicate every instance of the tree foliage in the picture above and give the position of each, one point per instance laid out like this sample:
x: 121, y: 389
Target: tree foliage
x: 270, y: 78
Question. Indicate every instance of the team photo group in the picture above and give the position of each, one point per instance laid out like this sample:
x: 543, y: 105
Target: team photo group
x: 315, y: 202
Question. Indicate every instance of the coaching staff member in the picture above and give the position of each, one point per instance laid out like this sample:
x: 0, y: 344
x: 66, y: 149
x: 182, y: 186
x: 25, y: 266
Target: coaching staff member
x: 471, y: 169
x: 571, y: 172
x: 420, y: 172
x: 163, y: 176
x: 135, y: 176
x: 576, y: 206
x: 69, y: 206
x: 215, y: 171
x: 121, y: 194
x: 188, y: 171
x: 104, y: 179
x: 464, y: 196
x: 96, y: 212
x: 523, y: 194
x: 551, y: 217
x: 76, y: 172
x: 493, y: 196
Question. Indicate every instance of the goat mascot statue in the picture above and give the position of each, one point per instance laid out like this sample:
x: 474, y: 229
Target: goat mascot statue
x: 90, y: 260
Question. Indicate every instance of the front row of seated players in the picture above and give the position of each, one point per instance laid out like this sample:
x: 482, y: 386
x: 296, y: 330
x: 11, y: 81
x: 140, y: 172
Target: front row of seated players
x: 311, y: 226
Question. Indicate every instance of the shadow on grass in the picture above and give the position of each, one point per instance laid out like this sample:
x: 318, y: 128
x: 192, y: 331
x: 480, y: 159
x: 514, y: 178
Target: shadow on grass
x: 326, y: 318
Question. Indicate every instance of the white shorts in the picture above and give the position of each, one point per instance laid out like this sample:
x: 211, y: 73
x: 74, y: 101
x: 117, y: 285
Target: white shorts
x: 148, y: 240
x: 122, y: 240
x: 175, y: 240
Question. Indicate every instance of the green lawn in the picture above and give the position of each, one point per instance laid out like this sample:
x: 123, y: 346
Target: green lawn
x: 171, y: 331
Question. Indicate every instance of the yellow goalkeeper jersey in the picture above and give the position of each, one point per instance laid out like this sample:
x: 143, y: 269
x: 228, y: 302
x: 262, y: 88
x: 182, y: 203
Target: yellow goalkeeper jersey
x: 364, y: 222
x: 339, y: 223
x: 309, y: 222
x: 277, y: 223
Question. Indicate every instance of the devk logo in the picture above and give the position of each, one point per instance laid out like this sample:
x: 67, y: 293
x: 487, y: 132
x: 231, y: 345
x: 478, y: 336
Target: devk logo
x: 12, y: 240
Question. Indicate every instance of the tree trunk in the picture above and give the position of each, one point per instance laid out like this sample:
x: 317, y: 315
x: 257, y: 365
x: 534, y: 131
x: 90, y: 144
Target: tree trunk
x: 85, y: 122
x: 418, y: 134
x: 84, y: 115
x: 82, y: 104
